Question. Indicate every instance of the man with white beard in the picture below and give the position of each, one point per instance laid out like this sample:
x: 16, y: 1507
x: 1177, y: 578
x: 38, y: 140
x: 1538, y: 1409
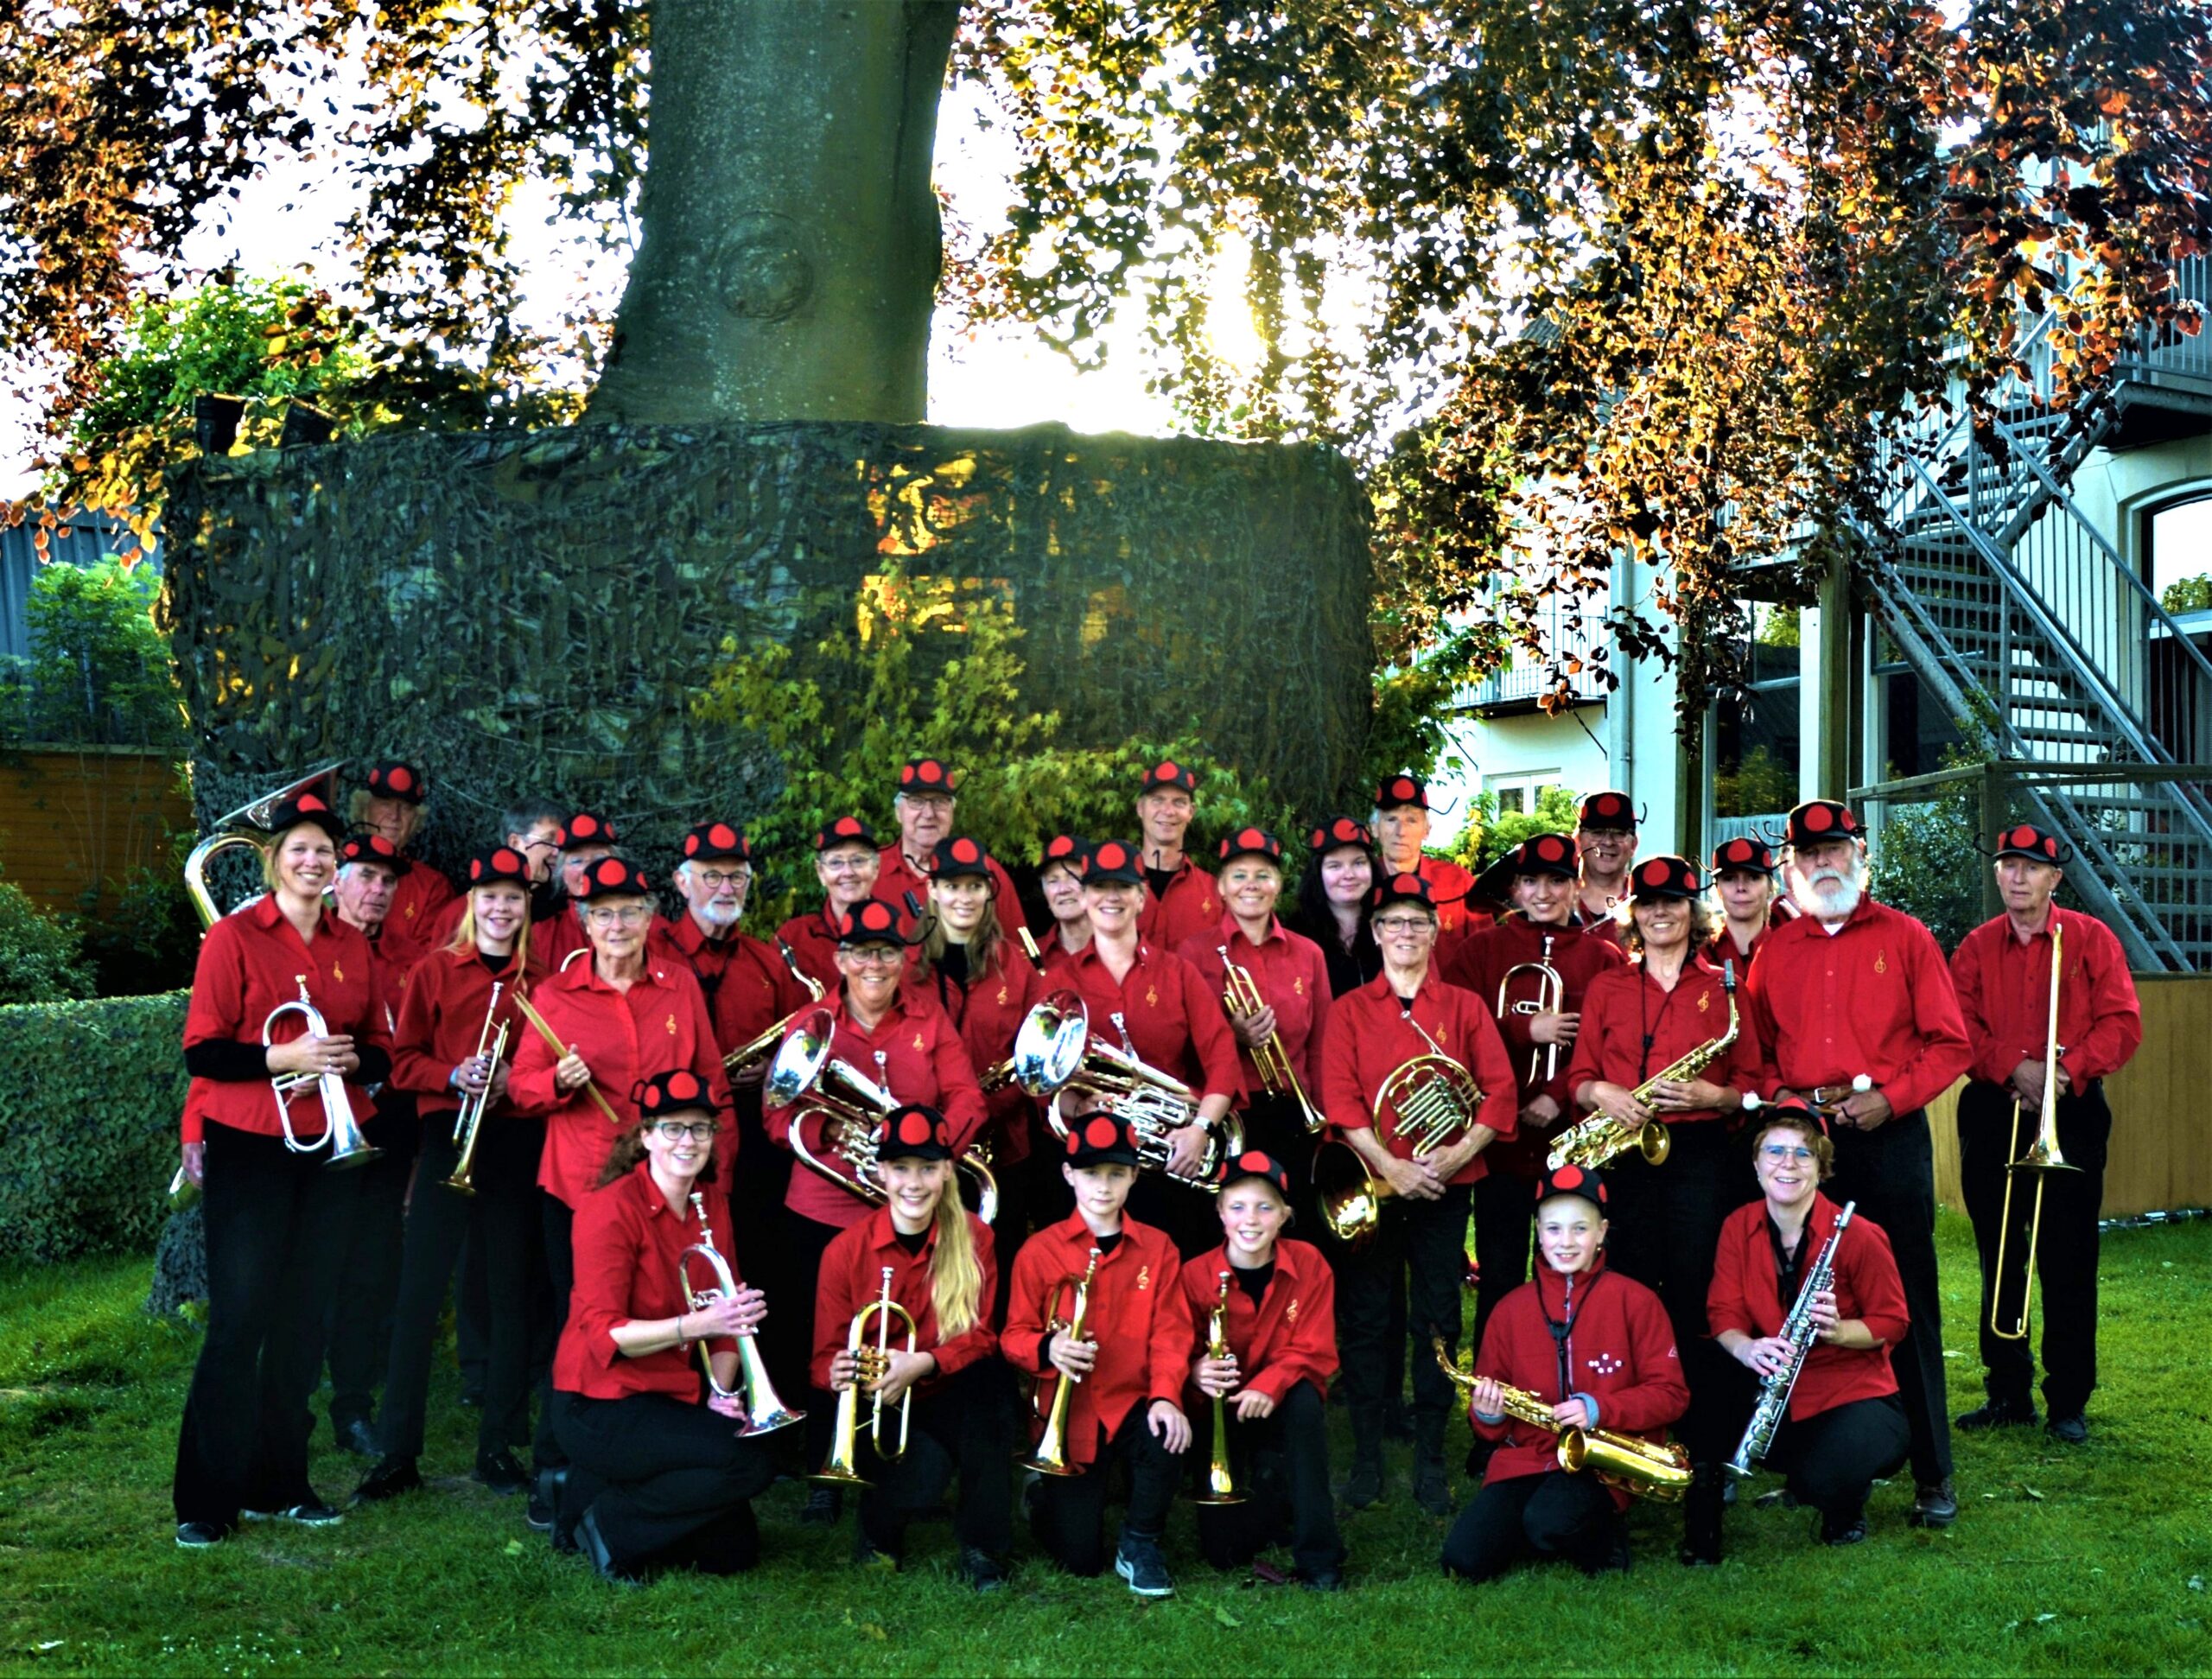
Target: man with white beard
x: 1852, y: 989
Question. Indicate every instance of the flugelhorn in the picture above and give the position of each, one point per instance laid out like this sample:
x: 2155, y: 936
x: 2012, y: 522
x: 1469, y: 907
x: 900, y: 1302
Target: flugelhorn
x: 1051, y: 1457
x: 1601, y: 1138
x: 1551, y: 996
x: 871, y: 1363
x: 348, y: 1146
x: 468, y: 1123
x: 255, y: 814
x: 2042, y: 1159
x: 1221, y: 1481
x: 1632, y: 1463
x: 1430, y: 1102
x: 764, y: 1412
x: 1243, y: 997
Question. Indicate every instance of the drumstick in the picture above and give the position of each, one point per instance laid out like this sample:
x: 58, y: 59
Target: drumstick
x: 560, y: 1053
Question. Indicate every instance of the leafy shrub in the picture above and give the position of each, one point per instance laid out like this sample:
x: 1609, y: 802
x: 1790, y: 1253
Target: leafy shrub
x: 2187, y: 594
x: 99, y: 673
x: 41, y: 955
x: 1490, y: 834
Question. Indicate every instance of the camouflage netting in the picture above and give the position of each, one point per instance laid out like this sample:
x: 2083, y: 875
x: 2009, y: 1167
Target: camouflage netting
x: 532, y: 613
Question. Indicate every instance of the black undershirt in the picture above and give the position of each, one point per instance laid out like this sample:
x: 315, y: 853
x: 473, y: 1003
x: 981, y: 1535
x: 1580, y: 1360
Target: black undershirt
x: 912, y: 1243
x: 1160, y: 880
x: 1788, y: 1260
x: 953, y: 963
x: 1255, y: 1282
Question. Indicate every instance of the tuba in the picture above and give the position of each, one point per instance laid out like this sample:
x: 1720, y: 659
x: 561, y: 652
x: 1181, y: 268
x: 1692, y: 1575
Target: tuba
x: 746, y: 1056
x: 1276, y: 1074
x: 1598, y: 1139
x: 1055, y: 1051
x: 1051, y: 1457
x: 764, y: 1412
x: 348, y: 1146
x: 226, y: 836
x: 834, y: 1134
x: 837, y: 1469
x: 1430, y: 1102
x: 2042, y: 1159
x: 1550, y: 998
x: 1627, y: 1461
x: 1221, y: 1482
x: 468, y: 1123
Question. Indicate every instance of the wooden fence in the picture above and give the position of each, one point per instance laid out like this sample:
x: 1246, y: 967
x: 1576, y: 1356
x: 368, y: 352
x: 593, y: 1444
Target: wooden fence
x: 80, y: 818
x: 2161, y: 1155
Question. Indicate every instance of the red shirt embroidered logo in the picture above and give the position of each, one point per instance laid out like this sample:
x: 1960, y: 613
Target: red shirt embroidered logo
x: 337, y: 973
x: 1290, y: 1315
x: 1001, y: 996
x: 1882, y: 961
x: 671, y: 1026
x: 1144, y: 1278
x: 919, y: 1044
x: 1152, y: 996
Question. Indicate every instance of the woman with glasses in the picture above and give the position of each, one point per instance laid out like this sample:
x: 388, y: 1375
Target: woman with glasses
x: 621, y: 1017
x: 660, y: 1476
x: 1846, y: 1428
x: 1402, y: 1014
x: 847, y: 863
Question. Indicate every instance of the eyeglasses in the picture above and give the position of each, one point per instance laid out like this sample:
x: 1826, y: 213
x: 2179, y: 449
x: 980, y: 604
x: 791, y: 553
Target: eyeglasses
x: 714, y: 878
x: 846, y: 865
x: 1401, y: 924
x: 632, y: 915
x: 874, y: 956
x: 1775, y: 1153
x: 675, y: 1131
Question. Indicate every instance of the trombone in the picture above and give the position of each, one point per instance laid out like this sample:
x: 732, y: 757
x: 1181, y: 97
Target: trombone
x: 468, y: 1123
x: 764, y: 1412
x: 255, y: 814
x: 1242, y: 996
x: 2042, y: 1159
x: 1550, y: 999
x: 1221, y: 1482
x: 871, y: 1364
x: 1051, y: 1457
x: 348, y: 1146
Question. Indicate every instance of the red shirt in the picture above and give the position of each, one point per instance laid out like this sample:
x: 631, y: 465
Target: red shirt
x: 1633, y: 1027
x: 1723, y: 946
x: 1292, y: 977
x: 396, y: 956
x: 745, y: 982
x: 253, y: 960
x: 1287, y: 1336
x: 1620, y: 1352
x: 2004, y: 989
x: 1137, y: 1315
x: 1189, y: 906
x: 1481, y: 963
x: 441, y: 1018
x: 417, y: 898
x: 988, y: 1011
x: 627, y: 1244
x: 1452, y: 889
x: 1369, y: 1036
x: 1874, y: 997
x: 852, y: 1275
x: 658, y: 1025
x: 895, y: 877
x: 813, y: 939
x: 1744, y: 1295
x: 922, y: 1060
x: 1174, y: 1023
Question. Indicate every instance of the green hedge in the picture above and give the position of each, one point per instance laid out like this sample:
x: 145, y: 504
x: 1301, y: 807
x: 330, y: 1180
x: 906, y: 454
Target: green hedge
x: 89, y: 1094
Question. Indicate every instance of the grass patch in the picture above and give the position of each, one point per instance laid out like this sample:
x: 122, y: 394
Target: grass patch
x: 2093, y: 1559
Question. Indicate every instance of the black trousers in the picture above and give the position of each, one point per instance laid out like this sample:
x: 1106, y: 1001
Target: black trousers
x: 2066, y: 1249
x: 1274, y: 1124
x: 964, y: 1426
x: 1890, y: 1173
x: 243, y: 1444
x: 1281, y: 1466
x: 669, y: 1483
x: 757, y: 1188
x: 1833, y: 1459
x: 557, y: 1226
x: 1420, y: 1247
x: 787, y: 1337
x: 501, y: 1222
x: 1554, y: 1514
x: 1505, y: 1226
x: 365, y: 1284
x: 1068, y: 1520
x: 1665, y: 1226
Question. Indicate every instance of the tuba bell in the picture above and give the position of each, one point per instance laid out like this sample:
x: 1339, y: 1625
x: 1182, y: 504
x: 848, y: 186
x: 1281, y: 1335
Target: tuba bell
x: 226, y: 835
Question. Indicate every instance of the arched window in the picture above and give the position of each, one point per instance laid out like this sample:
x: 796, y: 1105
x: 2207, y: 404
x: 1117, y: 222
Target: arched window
x: 2178, y: 552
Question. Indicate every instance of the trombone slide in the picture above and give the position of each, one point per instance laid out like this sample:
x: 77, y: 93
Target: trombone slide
x: 2043, y: 1157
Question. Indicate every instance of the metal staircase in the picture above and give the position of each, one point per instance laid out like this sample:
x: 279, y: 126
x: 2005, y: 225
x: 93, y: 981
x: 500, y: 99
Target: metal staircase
x: 2032, y: 630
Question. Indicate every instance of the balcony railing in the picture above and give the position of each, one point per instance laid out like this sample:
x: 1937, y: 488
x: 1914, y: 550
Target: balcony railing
x: 1520, y: 684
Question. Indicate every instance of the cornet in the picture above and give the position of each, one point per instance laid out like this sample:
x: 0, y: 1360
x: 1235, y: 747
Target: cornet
x: 1221, y: 1481
x: 2042, y: 1159
x: 764, y: 1412
x: 225, y: 836
x: 348, y: 1146
x: 871, y: 1363
x: 1550, y: 998
x: 469, y: 1121
x: 1051, y: 1457
x: 1276, y: 1073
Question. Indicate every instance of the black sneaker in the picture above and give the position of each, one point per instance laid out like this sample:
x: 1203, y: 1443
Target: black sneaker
x: 1998, y: 1414
x: 314, y: 1513
x: 1430, y: 1491
x: 824, y: 1504
x: 391, y: 1478
x: 200, y: 1536
x: 1934, y: 1505
x: 2069, y: 1430
x: 500, y: 1472
x: 981, y: 1570
x: 545, y: 1501
x: 1364, y: 1485
x: 1139, y: 1562
x: 593, y: 1544
x: 1321, y: 1580
x: 1843, y: 1533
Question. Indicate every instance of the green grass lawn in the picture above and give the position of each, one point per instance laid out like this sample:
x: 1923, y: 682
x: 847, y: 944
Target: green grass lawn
x: 2089, y: 1560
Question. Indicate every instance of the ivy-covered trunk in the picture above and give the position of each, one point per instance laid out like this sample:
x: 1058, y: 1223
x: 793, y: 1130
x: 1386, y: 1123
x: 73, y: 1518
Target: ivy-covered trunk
x: 791, y: 244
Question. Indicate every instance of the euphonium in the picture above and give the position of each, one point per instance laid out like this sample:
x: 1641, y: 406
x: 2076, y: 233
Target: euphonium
x: 469, y: 1121
x: 765, y: 1413
x: 1430, y: 1101
x: 2043, y: 1158
x: 1243, y: 997
x: 871, y: 1362
x: 1221, y: 1483
x: 224, y: 836
x: 1800, y: 1332
x: 348, y: 1146
x: 1051, y: 1457
x: 1601, y: 1138
x: 747, y: 1055
x: 1551, y: 996
x: 1634, y: 1465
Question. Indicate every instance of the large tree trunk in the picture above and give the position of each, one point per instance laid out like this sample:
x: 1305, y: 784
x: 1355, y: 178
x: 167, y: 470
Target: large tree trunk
x: 792, y: 244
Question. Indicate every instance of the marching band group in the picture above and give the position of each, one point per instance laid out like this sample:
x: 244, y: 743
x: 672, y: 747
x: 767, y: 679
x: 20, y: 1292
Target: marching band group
x: 1131, y: 1194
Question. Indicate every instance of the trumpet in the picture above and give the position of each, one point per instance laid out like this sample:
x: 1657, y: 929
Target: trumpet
x: 1661, y: 1473
x: 1550, y: 998
x: 255, y: 814
x: 1430, y: 1102
x: 1600, y: 1139
x: 348, y: 1146
x: 765, y: 1413
x: 2042, y: 1159
x: 1055, y: 1051
x: 1051, y: 1457
x: 834, y: 1135
x: 750, y: 1054
x: 871, y: 1363
x: 1242, y: 996
x: 469, y: 1121
x: 1221, y: 1483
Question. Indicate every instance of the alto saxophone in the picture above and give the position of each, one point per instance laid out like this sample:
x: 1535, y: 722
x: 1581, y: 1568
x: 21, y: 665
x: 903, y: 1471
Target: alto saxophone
x: 1601, y: 1138
x: 1798, y: 1330
x: 1658, y: 1473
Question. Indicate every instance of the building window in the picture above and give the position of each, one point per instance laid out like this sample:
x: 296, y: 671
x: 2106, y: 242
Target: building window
x: 2178, y: 554
x: 1520, y: 794
x: 1756, y: 731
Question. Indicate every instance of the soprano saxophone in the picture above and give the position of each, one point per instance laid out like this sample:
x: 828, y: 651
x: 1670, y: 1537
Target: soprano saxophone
x: 1798, y: 1330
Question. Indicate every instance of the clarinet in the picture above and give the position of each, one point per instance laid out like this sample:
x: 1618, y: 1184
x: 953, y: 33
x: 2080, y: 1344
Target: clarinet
x: 1798, y: 1330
